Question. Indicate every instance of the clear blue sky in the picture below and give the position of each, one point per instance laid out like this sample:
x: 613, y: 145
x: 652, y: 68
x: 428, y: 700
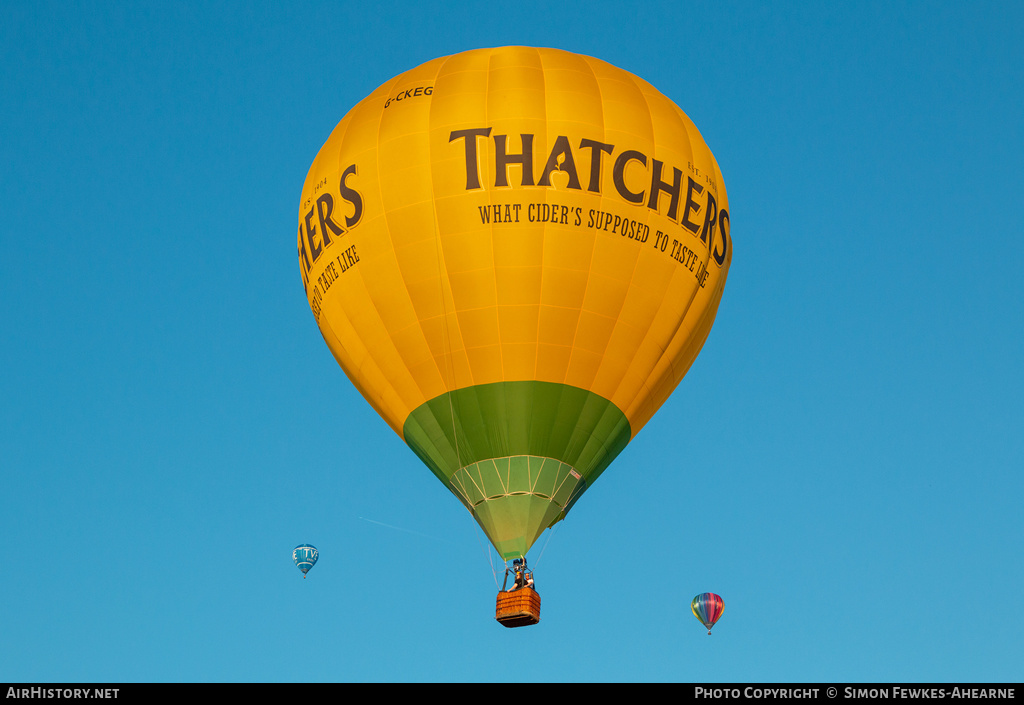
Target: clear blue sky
x: 842, y: 464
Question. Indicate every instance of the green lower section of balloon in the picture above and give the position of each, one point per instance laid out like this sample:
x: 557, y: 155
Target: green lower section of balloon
x: 517, y: 454
x: 514, y: 499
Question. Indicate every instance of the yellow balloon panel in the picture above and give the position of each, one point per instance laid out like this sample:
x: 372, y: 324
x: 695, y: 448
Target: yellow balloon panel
x: 514, y: 214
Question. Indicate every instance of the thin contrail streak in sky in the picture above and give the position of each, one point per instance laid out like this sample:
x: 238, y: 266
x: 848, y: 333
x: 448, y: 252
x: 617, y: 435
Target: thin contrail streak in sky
x: 398, y: 528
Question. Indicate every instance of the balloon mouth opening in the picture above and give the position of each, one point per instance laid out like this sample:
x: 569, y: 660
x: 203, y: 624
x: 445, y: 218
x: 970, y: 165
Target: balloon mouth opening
x: 515, y: 498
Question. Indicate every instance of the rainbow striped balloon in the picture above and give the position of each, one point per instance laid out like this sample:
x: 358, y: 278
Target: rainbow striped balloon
x: 708, y: 608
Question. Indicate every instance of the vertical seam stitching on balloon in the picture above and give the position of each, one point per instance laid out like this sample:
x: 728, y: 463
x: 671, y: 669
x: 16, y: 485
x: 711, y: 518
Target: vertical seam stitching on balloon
x: 384, y: 216
x: 696, y: 291
x: 451, y: 356
x: 645, y: 377
x: 544, y: 228
x: 543, y: 235
x: 630, y: 367
x: 441, y: 272
x: 675, y: 334
x: 618, y: 313
x: 492, y: 195
x: 604, y: 132
x: 576, y: 330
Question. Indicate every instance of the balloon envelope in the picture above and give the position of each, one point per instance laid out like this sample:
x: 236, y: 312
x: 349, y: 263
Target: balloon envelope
x: 707, y: 607
x: 515, y: 254
x: 305, y: 557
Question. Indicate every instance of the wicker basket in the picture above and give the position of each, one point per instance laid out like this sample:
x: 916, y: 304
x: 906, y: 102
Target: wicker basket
x: 518, y: 608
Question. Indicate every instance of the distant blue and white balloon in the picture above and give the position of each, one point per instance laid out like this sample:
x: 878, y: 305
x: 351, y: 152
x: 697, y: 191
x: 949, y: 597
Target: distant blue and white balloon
x: 305, y: 557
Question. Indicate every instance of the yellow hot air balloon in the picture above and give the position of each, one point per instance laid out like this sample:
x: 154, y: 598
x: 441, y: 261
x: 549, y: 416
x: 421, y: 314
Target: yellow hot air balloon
x: 515, y: 254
